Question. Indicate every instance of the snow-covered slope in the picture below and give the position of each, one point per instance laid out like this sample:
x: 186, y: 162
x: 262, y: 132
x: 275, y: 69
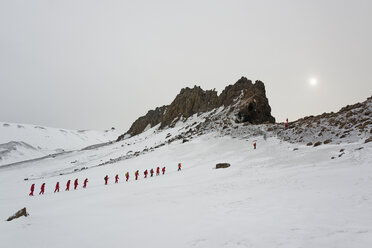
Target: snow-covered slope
x: 279, y: 195
x: 19, y: 142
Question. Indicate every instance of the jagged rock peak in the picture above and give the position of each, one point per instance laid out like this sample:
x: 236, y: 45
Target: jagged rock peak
x: 189, y: 102
x: 247, y: 100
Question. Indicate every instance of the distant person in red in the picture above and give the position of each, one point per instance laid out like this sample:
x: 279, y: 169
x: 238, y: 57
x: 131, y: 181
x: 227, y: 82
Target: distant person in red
x: 76, y: 183
x: 68, y: 185
x: 32, y: 190
x: 116, y: 178
x: 106, y: 179
x: 145, y: 172
x: 254, y: 145
x: 152, y: 172
x: 85, y: 183
x: 163, y: 170
x: 57, y: 188
x: 286, y: 123
x: 179, y: 166
x: 158, y: 171
x: 42, y: 189
x: 136, y: 174
x: 127, y: 176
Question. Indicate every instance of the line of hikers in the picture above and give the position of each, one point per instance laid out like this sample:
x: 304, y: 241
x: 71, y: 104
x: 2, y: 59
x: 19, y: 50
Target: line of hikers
x: 106, y: 178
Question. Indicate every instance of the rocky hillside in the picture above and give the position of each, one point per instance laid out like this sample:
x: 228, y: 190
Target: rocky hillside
x: 246, y: 100
x: 351, y: 123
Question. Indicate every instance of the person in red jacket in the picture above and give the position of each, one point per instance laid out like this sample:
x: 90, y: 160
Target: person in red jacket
x: 76, y: 183
x: 42, y: 189
x: 85, y: 183
x: 286, y: 123
x: 68, y: 185
x: 254, y: 145
x: 106, y: 179
x: 179, y: 166
x: 152, y: 172
x: 127, y: 176
x: 116, y: 178
x: 158, y: 171
x: 57, y: 188
x: 32, y: 190
x: 163, y: 170
x: 145, y: 172
x: 136, y: 174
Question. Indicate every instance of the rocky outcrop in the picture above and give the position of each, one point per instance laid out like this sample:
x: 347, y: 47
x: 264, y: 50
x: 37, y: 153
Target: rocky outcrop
x: 253, y: 106
x: 152, y: 118
x: 246, y: 100
x: 189, y: 102
x: 349, y: 124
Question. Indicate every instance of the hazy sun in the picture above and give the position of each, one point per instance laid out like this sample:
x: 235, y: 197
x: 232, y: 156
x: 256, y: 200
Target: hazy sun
x: 313, y: 81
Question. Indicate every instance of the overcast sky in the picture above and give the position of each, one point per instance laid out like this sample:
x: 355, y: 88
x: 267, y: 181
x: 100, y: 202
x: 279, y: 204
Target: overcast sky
x: 101, y: 64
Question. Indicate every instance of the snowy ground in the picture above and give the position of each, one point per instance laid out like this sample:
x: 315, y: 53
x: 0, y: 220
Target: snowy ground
x: 19, y: 142
x: 269, y: 197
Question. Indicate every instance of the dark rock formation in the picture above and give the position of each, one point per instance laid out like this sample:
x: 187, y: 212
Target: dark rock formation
x: 189, y: 102
x: 153, y: 117
x: 18, y: 214
x: 246, y: 99
x: 222, y: 165
x: 254, y: 106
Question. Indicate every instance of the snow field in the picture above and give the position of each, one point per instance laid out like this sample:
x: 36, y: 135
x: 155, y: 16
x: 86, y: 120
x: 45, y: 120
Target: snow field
x: 269, y: 197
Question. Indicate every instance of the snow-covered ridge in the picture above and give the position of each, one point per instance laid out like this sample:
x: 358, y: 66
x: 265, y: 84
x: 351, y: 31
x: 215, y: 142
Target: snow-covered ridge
x: 20, y: 142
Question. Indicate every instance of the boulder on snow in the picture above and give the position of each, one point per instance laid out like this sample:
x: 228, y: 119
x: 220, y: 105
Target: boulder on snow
x: 368, y: 140
x: 222, y: 165
x: 18, y: 214
x: 327, y: 141
x: 317, y: 143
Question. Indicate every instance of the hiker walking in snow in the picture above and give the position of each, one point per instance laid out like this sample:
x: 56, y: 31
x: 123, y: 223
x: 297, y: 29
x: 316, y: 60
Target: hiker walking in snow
x: 85, y: 183
x: 286, y: 123
x: 136, y: 174
x: 106, y: 179
x: 42, y: 189
x: 57, y: 188
x: 116, y: 178
x: 68, y: 185
x: 146, y: 172
x: 127, y: 176
x: 163, y: 170
x: 158, y: 171
x: 76, y: 184
x: 152, y: 172
x: 32, y: 190
x: 254, y: 145
x: 179, y: 166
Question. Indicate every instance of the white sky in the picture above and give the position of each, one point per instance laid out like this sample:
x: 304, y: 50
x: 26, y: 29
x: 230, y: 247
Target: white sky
x: 97, y: 64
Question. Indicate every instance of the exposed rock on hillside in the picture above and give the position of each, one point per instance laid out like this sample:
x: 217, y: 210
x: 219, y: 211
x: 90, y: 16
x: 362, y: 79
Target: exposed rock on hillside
x: 152, y: 118
x: 348, y: 124
x: 189, y: 102
x: 254, y: 106
x: 246, y: 100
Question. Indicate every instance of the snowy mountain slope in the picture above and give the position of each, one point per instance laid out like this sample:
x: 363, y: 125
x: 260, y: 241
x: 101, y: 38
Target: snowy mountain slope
x: 270, y: 197
x: 20, y: 142
x: 284, y: 193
